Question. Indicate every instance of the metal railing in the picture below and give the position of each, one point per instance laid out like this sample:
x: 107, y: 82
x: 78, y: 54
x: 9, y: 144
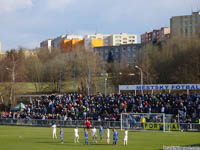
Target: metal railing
x: 156, y: 126
x: 81, y: 123
x: 60, y: 123
x: 189, y: 127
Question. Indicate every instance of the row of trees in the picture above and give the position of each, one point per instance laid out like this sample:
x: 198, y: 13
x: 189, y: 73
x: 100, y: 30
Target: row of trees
x: 176, y: 60
x: 46, y: 66
x: 173, y: 61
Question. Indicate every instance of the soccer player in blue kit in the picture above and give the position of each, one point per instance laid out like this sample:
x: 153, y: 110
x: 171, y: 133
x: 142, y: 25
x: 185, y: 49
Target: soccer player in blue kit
x: 86, y: 136
x: 115, y: 137
x: 101, y: 132
x: 61, y: 135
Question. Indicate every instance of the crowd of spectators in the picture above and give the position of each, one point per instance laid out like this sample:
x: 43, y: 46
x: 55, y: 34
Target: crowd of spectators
x: 99, y: 107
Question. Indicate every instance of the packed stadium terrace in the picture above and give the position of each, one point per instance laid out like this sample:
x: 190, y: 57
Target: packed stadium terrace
x: 99, y: 107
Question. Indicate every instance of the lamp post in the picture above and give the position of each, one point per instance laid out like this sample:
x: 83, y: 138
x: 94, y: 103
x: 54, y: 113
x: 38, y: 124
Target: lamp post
x: 106, y: 78
x: 74, y: 75
x: 60, y: 80
x: 13, y: 75
x: 89, y: 80
x: 12, y: 95
x: 141, y: 76
x: 103, y: 81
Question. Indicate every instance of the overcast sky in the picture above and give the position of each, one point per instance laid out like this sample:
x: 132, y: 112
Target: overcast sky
x: 27, y: 22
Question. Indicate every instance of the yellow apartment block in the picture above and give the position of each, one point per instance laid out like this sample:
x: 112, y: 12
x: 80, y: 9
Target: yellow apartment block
x: 63, y: 44
x: 96, y: 43
x: 70, y: 45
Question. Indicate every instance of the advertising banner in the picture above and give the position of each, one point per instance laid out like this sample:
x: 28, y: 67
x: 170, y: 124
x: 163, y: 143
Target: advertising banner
x: 159, y: 126
x: 160, y: 87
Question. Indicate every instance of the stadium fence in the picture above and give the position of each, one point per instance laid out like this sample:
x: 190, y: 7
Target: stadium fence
x: 81, y: 124
x: 61, y: 123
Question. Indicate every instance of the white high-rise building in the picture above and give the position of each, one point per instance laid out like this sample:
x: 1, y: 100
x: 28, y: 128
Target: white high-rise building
x: 121, y: 39
x: 90, y: 38
x: 113, y: 39
x: 73, y: 37
x: 96, y: 36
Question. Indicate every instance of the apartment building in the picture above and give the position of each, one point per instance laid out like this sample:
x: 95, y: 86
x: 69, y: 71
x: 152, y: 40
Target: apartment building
x: 70, y: 45
x: 98, y: 40
x: 121, y: 39
x: 90, y: 41
x: 61, y: 42
x: 119, y: 53
x: 155, y: 35
x: 71, y: 42
x: 56, y: 41
x: 96, y: 36
x: 186, y: 26
x: 28, y: 53
x: 46, y: 44
x: 95, y: 40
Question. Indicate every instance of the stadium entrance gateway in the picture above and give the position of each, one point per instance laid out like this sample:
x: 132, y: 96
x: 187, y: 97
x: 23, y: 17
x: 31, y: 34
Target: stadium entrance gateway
x: 152, y: 87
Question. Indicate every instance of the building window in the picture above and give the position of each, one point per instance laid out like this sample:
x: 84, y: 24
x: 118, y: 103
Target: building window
x: 133, y: 48
x: 196, y: 19
x: 191, y: 29
x: 106, y: 57
x: 134, y: 55
x: 131, y: 37
x: 186, y: 30
x: 117, y: 56
x: 118, y: 41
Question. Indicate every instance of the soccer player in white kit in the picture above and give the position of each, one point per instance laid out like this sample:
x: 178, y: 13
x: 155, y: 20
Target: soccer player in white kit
x: 54, y: 131
x: 94, y: 135
x: 125, y: 137
x: 76, y: 136
x: 108, y: 136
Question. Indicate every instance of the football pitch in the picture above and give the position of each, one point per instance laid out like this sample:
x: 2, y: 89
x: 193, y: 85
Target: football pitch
x: 37, y: 138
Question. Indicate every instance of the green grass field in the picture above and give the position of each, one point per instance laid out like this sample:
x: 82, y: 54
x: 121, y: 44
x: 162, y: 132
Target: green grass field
x: 36, y: 138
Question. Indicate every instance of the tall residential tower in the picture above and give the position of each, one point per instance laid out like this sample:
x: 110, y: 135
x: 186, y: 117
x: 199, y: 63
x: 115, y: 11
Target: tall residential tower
x: 186, y: 26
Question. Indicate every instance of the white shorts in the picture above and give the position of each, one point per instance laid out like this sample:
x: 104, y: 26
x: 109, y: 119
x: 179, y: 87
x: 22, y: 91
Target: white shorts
x: 125, y: 138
